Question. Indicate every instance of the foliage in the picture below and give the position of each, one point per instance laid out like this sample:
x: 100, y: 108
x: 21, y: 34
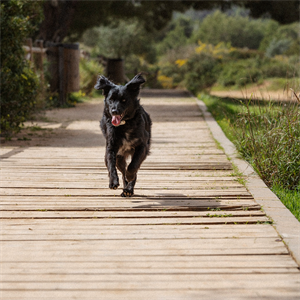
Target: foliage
x: 201, y: 72
x: 176, y: 35
x: 240, y: 72
x: 19, y: 84
x: 177, y: 58
x: 239, y: 31
x: 291, y: 199
x: 89, y: 70
x: 268, y: 137
x: 135, y: 64
x: 294, y: 49
x: 277, y: 47
x: 244, y: 71
x: 193, y: 67
x: 118, y: 40
x: 267, y: 134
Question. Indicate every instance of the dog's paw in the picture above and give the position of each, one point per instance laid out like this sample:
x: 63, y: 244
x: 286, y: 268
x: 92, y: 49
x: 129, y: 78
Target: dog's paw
x: 114, y: 184
x: 127, y: 193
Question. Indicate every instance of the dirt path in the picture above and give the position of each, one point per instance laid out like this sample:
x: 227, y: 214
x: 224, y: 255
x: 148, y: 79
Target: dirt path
x: 260, y: 92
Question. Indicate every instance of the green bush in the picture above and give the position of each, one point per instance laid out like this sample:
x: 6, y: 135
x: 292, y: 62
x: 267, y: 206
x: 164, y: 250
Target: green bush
x: 238, y: 30
x: 280, y: 67
x: 240, y: 72
x: 277, y: 47
x: 135, y: 64
x: 201, y: 71
x: 19, y: 84
x: 177, y: 35
x: 245, y: 71
x: 119, y: 40
x: 281, y: 39
x: 89, y: 70
x: 294, y: 49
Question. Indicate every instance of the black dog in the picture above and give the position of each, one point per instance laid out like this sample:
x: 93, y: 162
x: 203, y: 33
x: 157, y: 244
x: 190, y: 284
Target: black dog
x: 127, y: 129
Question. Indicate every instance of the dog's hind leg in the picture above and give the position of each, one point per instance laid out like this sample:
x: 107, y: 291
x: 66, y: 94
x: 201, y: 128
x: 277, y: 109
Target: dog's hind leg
x: 128, y: 191
x: 131, y: 173
x: 121, y: 165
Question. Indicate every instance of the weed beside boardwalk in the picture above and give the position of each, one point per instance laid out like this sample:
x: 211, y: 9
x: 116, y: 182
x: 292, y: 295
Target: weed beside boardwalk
x: 267, y: 134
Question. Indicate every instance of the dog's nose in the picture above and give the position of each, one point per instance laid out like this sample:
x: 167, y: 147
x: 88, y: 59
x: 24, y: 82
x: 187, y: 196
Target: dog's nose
x: 114, y: 111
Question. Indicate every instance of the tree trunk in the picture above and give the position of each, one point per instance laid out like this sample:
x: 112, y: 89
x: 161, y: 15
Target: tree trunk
x: 115, y: 70
x: 57, y: 21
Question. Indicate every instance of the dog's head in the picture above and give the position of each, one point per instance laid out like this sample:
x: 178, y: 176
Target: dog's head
x: 121, y: 101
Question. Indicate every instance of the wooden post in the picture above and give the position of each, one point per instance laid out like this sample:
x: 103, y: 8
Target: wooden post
x: 29, y: 44
x: 71, y: 65
x: 64, y: 69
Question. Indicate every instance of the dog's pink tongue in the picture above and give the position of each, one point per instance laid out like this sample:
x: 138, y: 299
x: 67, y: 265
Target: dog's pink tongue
x: 116, y: 120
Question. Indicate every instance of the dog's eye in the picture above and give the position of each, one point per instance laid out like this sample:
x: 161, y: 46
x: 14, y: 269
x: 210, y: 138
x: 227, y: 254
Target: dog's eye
x: 123, y: 100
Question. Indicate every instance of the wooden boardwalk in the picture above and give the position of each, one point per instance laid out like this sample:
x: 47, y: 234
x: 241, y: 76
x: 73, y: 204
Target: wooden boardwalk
x: 192, y: 231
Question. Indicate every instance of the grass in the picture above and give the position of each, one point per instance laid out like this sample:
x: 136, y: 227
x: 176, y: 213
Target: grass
x: 267, y: 135
x: 290, y: 198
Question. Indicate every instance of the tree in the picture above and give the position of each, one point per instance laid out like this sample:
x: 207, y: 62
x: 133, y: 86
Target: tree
x: 18, y: 82
x: 58, y: 19
x: 72, y: 18
x: 284, y: 12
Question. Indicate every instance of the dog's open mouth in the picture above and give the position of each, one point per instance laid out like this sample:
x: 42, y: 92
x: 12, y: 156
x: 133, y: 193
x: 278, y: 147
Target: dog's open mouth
x: 117, y: 120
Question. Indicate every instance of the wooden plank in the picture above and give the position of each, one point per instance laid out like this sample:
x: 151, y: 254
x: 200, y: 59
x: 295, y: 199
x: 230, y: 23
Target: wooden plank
x: 70, y: 254
x: 210, y: 293
x: 139, y: 192
x: 92, y: 225
x: 163, y: 221
x: 151, y: 282
x: 243, y: 264
x: 158, y: 246
x: 129, y: 214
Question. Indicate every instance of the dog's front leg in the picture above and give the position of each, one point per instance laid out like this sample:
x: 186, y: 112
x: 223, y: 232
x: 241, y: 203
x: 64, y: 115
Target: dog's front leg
x: 110, y: 161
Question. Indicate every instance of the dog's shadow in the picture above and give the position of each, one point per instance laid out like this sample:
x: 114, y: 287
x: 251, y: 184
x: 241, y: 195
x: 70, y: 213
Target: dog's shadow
x: 170, y: 201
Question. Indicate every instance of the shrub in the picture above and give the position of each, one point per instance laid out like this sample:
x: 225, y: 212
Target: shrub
x: 294, y: 49
x: 201, y: 72
x: 277, y: 47
x: 238, y: 30
x: 135, y: 64
x: 280, y: 68
x: 268, y: 138
x: 240, y: 72
x: 119, y: 40
x: 19, y: 84
x: 171, y: 65
x: 178, y: 33
x: 89, y: 70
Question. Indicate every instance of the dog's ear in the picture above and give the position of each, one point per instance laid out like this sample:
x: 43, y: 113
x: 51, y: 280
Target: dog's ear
x: 104, y: 84
x: 135, y: 82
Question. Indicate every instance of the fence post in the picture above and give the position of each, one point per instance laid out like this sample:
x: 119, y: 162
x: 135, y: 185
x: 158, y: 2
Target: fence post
x: 64, y: 69
x: 29, y: 44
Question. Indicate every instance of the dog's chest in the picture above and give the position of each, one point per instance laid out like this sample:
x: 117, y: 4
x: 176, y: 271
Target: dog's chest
x: 128, y: 144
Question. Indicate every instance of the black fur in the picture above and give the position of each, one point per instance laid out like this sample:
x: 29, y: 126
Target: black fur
x: 124, y: 139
